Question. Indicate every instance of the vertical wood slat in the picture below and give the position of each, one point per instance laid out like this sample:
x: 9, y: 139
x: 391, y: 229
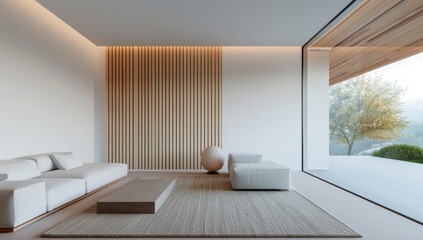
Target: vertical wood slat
x: 163, y: 105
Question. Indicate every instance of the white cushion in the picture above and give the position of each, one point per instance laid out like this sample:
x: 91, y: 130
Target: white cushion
x: 44, y: 163
x: 244, y: 158
x: 15, y: 160
x: 260, y: 176
x: 21, y: 201
x: 63, y: 190
x: 95, y: 174
x: 20, y: 170
x: 30, y: 162
x: 65, y: 161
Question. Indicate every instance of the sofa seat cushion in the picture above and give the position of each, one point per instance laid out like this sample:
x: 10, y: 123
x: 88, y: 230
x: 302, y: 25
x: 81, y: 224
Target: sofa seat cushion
x: 95, y: 175
x: 63, y: 190
x: 260, y: 176
x: 21, y: 201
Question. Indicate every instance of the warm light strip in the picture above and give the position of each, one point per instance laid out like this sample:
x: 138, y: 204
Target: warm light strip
x: 164, y: 105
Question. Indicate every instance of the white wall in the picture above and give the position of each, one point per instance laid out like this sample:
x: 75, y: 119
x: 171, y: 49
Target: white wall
x: 262, y: 102
x: 47, y: 73
x: 316, y: 110
x: 100, y: 107
x: 52, y: 92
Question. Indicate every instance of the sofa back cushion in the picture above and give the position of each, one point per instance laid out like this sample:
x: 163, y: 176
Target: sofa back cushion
x: 66, y: 161
x: 244, y: 158
x: 15, y: 160
x: 19, y: 170
x: 44, y: 163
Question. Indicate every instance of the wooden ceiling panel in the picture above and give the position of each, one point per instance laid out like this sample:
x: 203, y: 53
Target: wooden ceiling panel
x: 399, y: 26
x: 349, y: 62
x: 365, y: 13
x: 377, y: 33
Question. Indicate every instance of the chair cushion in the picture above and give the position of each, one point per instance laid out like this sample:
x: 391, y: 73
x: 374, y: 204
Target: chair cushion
x: 95, y: 174
x: 63, y: 190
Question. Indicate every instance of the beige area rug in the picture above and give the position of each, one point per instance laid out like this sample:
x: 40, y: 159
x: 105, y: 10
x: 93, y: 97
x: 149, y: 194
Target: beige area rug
x: 208, y: 207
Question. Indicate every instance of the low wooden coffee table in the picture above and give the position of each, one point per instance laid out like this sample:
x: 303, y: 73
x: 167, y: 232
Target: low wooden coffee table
x: 141, y: 195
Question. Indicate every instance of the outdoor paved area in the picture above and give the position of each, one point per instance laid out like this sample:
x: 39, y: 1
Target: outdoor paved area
x: 395, y: 184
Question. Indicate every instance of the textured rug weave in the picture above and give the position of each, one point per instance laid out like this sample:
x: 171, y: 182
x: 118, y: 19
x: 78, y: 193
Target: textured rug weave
x: 208, y: 207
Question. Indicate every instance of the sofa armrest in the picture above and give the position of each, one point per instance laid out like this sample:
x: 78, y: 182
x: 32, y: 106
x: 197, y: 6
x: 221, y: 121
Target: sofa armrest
x: 21, y: 201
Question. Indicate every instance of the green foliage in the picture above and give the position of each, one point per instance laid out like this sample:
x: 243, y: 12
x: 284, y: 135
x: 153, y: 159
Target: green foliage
x: 403, y: 152
x: 365, y: 107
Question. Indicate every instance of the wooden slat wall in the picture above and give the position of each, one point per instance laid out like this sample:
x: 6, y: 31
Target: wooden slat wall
x: 164, y: 105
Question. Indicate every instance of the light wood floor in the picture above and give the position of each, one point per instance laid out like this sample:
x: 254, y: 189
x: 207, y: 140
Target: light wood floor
x: 372, y: 221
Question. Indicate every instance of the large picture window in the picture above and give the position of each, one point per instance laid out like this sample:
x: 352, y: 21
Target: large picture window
x: 363, y: 105
x: 379, y: 109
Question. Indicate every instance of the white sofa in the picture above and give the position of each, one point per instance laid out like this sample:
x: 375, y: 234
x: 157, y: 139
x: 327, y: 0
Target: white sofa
x: 33, y: 185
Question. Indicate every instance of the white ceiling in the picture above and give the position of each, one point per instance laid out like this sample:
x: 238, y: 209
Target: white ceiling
x: 196, y: 22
